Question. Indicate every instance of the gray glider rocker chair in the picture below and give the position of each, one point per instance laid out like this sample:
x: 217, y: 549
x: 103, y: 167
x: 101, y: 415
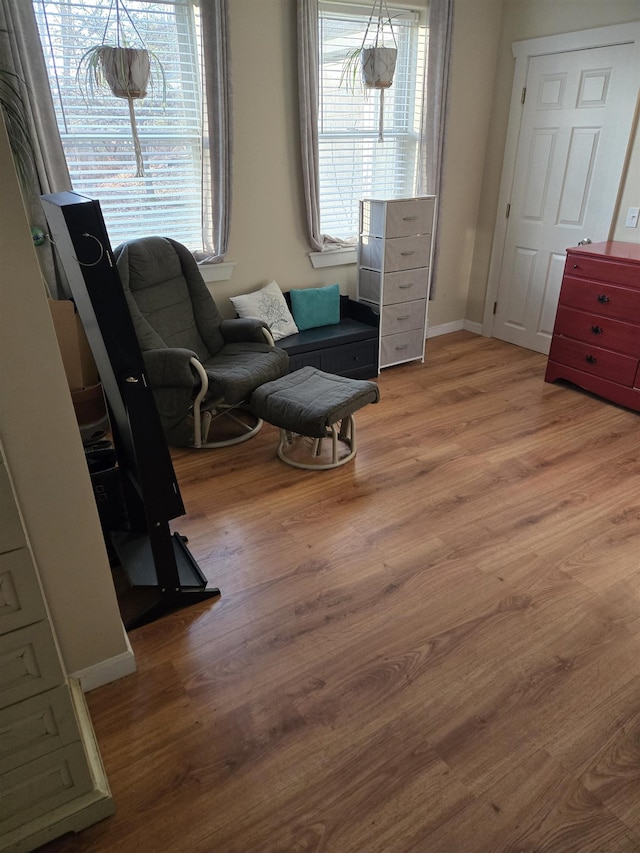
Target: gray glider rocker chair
x: 200, y: 367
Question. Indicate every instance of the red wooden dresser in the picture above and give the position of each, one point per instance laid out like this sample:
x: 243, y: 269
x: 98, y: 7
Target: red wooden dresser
x: 596, y: 337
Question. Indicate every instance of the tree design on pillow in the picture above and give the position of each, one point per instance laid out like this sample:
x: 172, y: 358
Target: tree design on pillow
x: 268, y: 305
x: 274, y: 312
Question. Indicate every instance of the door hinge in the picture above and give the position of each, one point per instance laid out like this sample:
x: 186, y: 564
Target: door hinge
x: 508, y: 211
x: 524, y: 95
x: 495, y: 307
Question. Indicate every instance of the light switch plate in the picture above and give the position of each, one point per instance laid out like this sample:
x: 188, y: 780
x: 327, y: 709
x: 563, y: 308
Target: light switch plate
x: 632, y: 217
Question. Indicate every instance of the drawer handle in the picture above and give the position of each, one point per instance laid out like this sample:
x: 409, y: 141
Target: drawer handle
x: 576, y: 267
x: 591, y: 359
x: 403, y: 346
x: 408, y: 253
x: 603, y: 298
x: 408, y: 218
x: 404, y: 317
x: 597, y: 330
x: 405, y: 286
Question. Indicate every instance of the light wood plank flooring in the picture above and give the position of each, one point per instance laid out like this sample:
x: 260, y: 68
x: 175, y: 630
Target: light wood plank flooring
x: 435, y: 648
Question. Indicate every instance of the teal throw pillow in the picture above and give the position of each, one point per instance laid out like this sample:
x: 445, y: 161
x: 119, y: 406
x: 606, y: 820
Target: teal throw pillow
x: 316, y: 306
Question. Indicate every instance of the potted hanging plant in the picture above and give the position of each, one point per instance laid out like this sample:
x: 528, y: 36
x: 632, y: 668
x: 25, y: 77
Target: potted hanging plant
x: 15, y: 118
x: 124, y: 71
x: 375, y: 59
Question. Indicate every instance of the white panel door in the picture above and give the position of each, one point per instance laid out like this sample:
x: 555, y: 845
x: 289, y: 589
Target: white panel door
x: 574, y: 134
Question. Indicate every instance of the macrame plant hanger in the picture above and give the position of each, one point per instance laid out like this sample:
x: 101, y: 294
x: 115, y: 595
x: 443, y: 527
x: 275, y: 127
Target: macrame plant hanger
x: 122, y: 70
x: 378, y: 61
x: 120, y: 76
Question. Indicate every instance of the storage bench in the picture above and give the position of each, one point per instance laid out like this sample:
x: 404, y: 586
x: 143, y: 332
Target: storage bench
x: 348, y: 348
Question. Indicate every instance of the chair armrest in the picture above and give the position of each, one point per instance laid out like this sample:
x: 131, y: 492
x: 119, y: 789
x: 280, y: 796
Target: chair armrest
x: 170, y: 367
x: 243, y: 329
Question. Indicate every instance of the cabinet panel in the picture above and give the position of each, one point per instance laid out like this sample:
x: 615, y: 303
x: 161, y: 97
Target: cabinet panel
x: 20, y: 596
x: 49, y: 783
x: 403, y: 347
x: 601, y: 269
x: 607, y: 300
x: 311, y: 359
x: 352, y: 358
x: 11, y: 533
x: 39, y: 725
x: 29, y: 663
x: 595, y: 360
x: 43, y: 785
x: 599, y: 331
x: 402, y: 317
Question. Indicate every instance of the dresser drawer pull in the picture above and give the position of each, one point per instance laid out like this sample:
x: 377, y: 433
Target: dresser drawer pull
x: 603, y: 298
x: 405, y: 286
x: 403, y: 346
x: 405, y: 254
x: 597, y: 330
x: 404, y: 317
x: 591, y: 359
x: 408, y: 218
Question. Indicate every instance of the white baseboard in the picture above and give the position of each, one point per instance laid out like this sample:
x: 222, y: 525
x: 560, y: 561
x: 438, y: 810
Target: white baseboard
x: 455, y: 326
x: 470, y: 326
x: 107, y: 670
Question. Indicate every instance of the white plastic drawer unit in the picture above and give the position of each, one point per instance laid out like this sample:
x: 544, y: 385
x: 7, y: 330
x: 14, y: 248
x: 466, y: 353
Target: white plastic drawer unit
x: 403, y: 317
x: 406, y: 346
x: 403, y: 286
x: 397, y: 217
x: 399, y: 253
x: 394, y: 268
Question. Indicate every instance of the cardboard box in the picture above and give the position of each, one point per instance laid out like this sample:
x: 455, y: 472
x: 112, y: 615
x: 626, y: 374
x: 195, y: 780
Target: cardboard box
x: 78, y: 362
x: 89, y: 405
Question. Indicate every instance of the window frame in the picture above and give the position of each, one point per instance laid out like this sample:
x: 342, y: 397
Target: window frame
x: 408, y: 135
x: 145, y: 193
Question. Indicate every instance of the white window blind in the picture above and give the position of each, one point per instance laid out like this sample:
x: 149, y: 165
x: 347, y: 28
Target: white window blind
x: 96, y: 133
x: 353, y: 164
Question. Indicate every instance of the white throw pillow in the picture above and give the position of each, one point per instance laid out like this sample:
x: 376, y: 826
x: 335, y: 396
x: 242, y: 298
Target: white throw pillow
x: 270, y: 306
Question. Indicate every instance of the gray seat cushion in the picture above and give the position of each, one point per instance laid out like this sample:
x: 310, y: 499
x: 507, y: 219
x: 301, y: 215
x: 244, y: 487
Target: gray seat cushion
x: 236, y: 369
x: 308, y: 401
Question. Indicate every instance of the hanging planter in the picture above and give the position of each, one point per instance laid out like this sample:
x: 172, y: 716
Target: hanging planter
x: 127, y: 71
x: 378, y: 66
x: 124, y: 71
x: 377, y: 60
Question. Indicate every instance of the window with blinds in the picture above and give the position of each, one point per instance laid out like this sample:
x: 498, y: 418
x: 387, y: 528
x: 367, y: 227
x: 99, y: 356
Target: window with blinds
x: 353, y: 163
x: 96, y: 132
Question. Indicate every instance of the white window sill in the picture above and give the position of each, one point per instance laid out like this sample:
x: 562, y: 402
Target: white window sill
x: 216, y: 272
x: 334, y: 257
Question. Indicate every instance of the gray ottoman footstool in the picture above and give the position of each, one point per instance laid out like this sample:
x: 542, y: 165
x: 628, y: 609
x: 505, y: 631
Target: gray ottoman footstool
x: 315, y: 405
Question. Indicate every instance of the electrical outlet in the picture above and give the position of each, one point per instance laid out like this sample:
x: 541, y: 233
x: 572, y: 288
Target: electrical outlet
x: 632, y: 217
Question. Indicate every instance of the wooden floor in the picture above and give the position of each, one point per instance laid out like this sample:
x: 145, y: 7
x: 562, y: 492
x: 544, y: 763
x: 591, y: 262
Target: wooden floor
x: 435, y: 648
